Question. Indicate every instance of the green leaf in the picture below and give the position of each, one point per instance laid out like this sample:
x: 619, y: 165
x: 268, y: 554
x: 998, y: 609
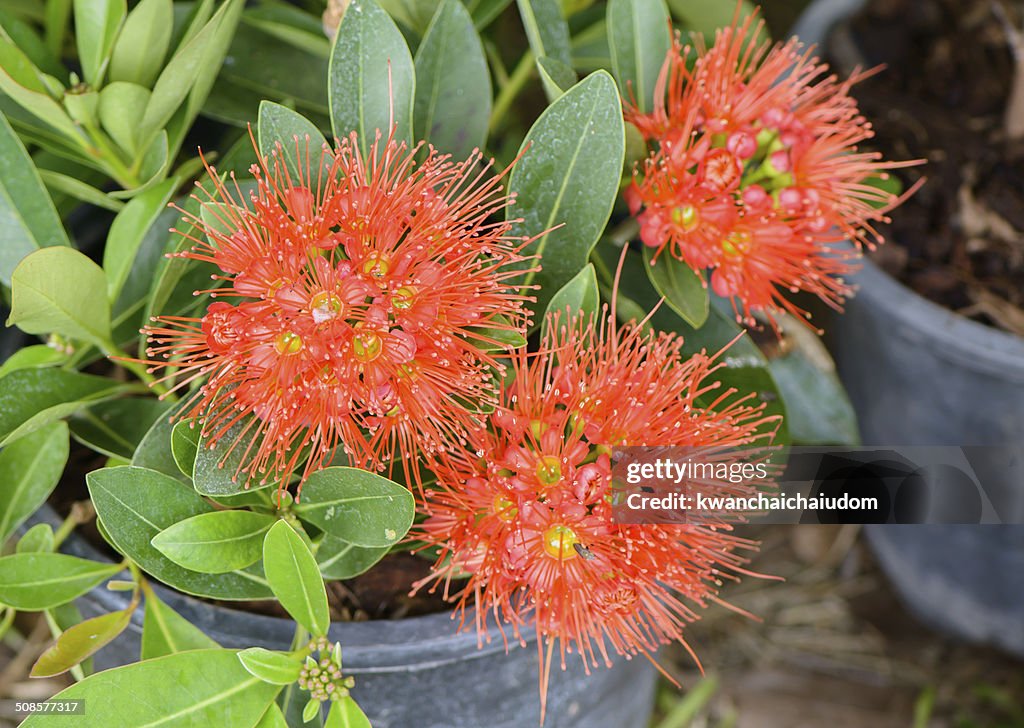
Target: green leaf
x: 122, y: 106
x: 33, y: 582
x: 579, y: 294
x: 546, y: 29
x: 818, y: 411
x: 27, y: 215
x: 38, y: 539
x: 557, y: 77
x: 60, y: 290
x: 218, y: 465
x: 215, y: 543
x: 33, y: 398
x: 185, y: 446
x: 370, y: 82
x: 96, y: 26
x: 156, y: 161
x: 453, y: 85
x: 129, y: 230
x: 339, y: 559
x: 639, y: 36
x: 140, y: 49
x: 707, y: 16
x: 273, y: 718
x: 79, y: 190
x: 345, y: 713
x: 29, y: 471
x: 115, y: 428
x: 295, y: 579
x: 356, y: 506
x: 682, y: 287
x: 276, y: 668
x: 32, y: 357
x: 23, y: 83
x: 568, y: 176
x: 311, y: 711
x: 199, y: 688
x: 154, y: 451
x: 79, y: 642
x: 299, y: 139
x: 135, y: 504
x: 165, y: 632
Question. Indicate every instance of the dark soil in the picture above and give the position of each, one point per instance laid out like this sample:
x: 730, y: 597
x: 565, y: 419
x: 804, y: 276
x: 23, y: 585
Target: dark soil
x: 941, y: 98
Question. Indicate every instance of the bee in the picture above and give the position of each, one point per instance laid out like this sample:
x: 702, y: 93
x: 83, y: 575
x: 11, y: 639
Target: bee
x: 583, y: 551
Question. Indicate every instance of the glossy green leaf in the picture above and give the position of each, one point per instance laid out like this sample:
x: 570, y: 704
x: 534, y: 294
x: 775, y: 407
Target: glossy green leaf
x: 339, y: 559
x: 707, y: 16
x: 96, y: 26
x: 453, y: 85
x: 80, y: 641
x: 29, y: 470
x: 546, y: 29
x: 60, y: 290
x: 32, y: 357
x: 79, y: 190
x: 684, y: 290
x: 33, y: 582
x: 135, y: 504
x: 165, y: 632
x: 215, y: 543
x: 557, y: 77
x: 580, y: 294
x: 38, y: 539
x: 27, y: 215
x: 639, y: 36
x: 371, y: 82
x: 122, y: 106
x: 218, y: 464
x: 185, y: 446
x: 139, y: 52
x: 33, y: 398
x: 154, y: 451
x: 302, y: 144
x: 356, y: 506
x: 345, y: 713
x: 23, y: 83
x: 115, y: 428
x: 276, y: 668
x: 273, y: 718
x: 128, y: 231
x: 569, y: 177
x: 198, y: 688
x: 295, y: 579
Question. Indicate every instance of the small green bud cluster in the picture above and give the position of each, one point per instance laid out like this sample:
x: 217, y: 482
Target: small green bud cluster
x: 321, y: 675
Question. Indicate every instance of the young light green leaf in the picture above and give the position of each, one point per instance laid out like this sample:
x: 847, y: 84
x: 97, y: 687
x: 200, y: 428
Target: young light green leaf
x: 273, y: 718
x: 165, y: 632
x: 356, y: 506
x: 453, y: 85
x: 96, y: 26
x: 29, y: 471
x: 707, y: 16
x: 122, y: 106
x: 33, y: 398
x: 37, y: 540
x: 338, y: 559
x: 682, y: 287
x: 135, y: 504
x: 32, y: 357
x: 185, y: 445
x: 346, y: 713
x: 215, y: 543
x: 27, y: 215
x: 568, y: 177
x: 128, y: 231
x: 299, y: 139
x: 116, y: 427
x: 33, y: 582
x: 295, y: 579
x: 311, y: 710
x: 546, y: 29
x: 79, y: 190
x: 639, y: 36
x: 60, y: 290
x: 371, y: 82
x: 142, y: 44
x: 276, y: 668
x: 80, y: 641
x: 578, y: 295
x: 198, y: 688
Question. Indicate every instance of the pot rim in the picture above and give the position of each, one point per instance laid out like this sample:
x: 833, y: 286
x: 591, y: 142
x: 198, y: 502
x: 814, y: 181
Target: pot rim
x: 948, y: 334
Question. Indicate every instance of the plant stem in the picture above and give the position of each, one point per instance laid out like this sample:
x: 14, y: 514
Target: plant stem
x: 127, y: 178
x: 81, y: 512
x: 510, y: 90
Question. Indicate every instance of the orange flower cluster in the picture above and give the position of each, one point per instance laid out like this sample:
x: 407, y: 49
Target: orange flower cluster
x: 757, y: 174
x: 369, y: 299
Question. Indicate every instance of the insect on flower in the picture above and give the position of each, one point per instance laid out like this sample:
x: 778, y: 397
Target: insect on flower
x: 364, y: 302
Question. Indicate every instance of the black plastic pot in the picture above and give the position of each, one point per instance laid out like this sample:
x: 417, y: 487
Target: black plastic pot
x: 413, y: 673
x: 919, y: 374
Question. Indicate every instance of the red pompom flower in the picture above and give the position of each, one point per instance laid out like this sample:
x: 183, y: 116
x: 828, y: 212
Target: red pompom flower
x: 364, y: 304
x: 526, y: 512
x: 757, y: 174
